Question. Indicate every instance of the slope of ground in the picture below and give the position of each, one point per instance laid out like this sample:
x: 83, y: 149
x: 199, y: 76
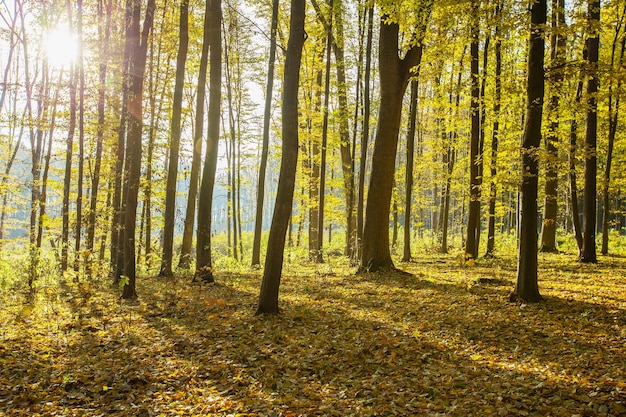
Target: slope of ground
x: 438, y: 340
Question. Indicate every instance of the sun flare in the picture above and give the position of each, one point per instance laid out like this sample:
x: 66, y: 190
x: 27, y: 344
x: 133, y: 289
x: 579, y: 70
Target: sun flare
x: 61, y: 47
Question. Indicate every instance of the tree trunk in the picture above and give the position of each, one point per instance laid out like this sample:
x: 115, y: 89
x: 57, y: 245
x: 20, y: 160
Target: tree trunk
x: 588, y: 254
x: 204, y: 262
x: 394, y: 78
x: 81, y: 138
x: 550, y: 207
x: 473, y: 219
x: 95, y: 179
x: 192, y: 195
x: 365, y: 131
x: 319, y: 258
x: 613, y: 117
x: 174, y: 145
x: 526, y: 288
x: 491, y: 226
x: 138, y: 43
x: 573, y: 139
x: 268, y: 298
x: 410, y: 155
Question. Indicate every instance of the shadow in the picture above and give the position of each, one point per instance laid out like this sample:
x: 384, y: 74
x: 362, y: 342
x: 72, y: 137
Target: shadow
x: 364, y: 345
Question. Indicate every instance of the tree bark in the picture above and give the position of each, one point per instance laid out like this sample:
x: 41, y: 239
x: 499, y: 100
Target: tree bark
x: 192, y: 195
x: 137, y: 63
x: 394, y: 78
x: 613, y: 116
x: 410, y: 156
x: 550, y: 207
x: 204, y: 264
x: 473, y: 219
x: 268, y: 298
x: 365, y: 132
x: 588, y: 254
x: 174, y: 145
x: 491, y: 225
x: 526, y: 288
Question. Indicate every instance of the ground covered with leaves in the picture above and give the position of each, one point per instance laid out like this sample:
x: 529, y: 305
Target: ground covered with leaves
x: 440, y: 339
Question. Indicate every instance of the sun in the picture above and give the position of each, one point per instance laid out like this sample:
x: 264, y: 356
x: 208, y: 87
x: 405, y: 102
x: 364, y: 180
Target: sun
x: 60, y: 47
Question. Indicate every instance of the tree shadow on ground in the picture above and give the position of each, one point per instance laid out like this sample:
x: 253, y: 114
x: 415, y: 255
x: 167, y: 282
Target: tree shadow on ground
x: 343, y: 345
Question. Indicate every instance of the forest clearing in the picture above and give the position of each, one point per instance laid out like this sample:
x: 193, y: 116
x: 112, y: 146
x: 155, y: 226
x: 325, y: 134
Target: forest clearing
x: 440, y: 339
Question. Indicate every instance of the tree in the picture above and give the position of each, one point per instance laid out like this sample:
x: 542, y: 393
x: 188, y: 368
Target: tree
x: 410, y: 153
x: 174, y: 146
x: 137, y: 44
x: 365, y: 130
x: 268, y: 298
x: 592, y: 44
x: 491, y: 223
x: 613, y: 116
x: 258, y: 219
x: 550, y: 206
x: 526, y: 288
x: 204, y: 263
x: 104, y: 30
x: 473, y: 218
x: 394, y: 78
x: 192, y: 194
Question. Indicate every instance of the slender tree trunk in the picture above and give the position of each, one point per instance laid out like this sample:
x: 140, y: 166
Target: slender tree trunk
x: 192, y: 195
x: 588, y: 254
x: 365, y: 131
x: 260, y: 197
x: 613, y: 117
x: 473, y: 220
x: 81, y: 138
x: 550, y: 207
x: 410, y: 154
x: 573, y: 139
x: 495, y: 136
x: 67, y: 182
x: 268, y: 298
x: 174, y: 145
x: 95, y: 180
x: 526, y: 288
x: 204, y: 263
x: 322, y: 189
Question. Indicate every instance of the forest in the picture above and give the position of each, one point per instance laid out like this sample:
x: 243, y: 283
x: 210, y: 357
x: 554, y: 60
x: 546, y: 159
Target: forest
x: 312, y: 207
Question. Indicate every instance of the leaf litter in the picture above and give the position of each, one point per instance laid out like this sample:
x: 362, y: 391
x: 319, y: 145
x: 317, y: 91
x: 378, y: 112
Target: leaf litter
x: 440, y: 339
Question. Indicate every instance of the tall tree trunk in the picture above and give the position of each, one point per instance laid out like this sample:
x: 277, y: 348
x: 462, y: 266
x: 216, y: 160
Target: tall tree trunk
x: 65, y: 210
x: 526, y: 288
x: 204, y: 263
x: 104, y: 29
x: 81, y: 137
x: 258, y: 220
x: 174, y: 145
x: 573, y: 139
x: 410, y: 155
x: 394, y: 78
x: 192, y: 195
x: 322, y: 189
x: 138, y: 46
x: 613, y: 116
x: 268, y: 298
x: 588, y: 254
x: 473, y: 219
x: 360, y: 211
x: 495, y: 136
x: 550, y: 207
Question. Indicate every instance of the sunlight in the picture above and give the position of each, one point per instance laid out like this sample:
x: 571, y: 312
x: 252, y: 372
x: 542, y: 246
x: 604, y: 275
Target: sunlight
x: 60, y: 47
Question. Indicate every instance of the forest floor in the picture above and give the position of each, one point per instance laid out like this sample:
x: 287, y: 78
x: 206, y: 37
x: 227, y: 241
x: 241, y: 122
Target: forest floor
x: 441, y: 339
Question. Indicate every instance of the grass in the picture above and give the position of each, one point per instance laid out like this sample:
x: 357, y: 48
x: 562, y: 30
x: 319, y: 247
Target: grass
x: 439, y: 339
